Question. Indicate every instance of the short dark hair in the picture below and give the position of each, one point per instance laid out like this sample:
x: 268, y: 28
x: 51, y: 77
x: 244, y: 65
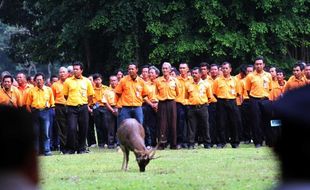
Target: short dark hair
x: 204, y: 64
x: 226, y: 63
x: 196, y: 68
x: 278, y: 70
x: 8, y: 76
x: 77, y: 63
x: 133, y: 63
x: 259, y: 58
x: 17, y: 139
x: 39, y: 74
x: 96, y: 75
x: 300, y: 65
x: 214, y: 65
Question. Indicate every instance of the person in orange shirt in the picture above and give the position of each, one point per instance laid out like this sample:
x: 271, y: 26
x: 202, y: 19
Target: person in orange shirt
x: 9, y: 95
x: 199, y: 94
x: 111, y: 111
x: 273, y: 73
x: 226, y: 90
x: 132, y: 90
x: 204, y: 67
x: 297, y: 80
x: 184, y: 79
x: 278, y: 88
x: 150, y: 108
x: 60, y: 109
x: 40, y: 100
x: 307, y: 73
x: 23, y: 86
x: 214, y: 73
x: 99, y: 110
x: 167, y: 89
x: 78, y: 91
x: 258, y: 86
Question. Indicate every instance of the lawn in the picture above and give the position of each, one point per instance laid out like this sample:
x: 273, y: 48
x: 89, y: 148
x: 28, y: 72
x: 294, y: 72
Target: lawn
x: 242, y: 168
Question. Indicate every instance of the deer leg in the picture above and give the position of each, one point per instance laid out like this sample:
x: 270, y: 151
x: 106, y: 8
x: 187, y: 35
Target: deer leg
x: 124, y: 157
x: 127, y: 158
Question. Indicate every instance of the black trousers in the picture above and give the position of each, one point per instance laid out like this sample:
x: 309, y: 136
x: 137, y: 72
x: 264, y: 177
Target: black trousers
x: 228, y: 121
x: 78, y: 119
x: 91, y: 137
x: 61, y: 124
x: 212, y: 122
x: 181, y: 123
x: 259, y: 119
x: 246, y: 120
x: 198, y: 122
x: 105, y: 123
x: 167, y: 122
x: 149, y: 125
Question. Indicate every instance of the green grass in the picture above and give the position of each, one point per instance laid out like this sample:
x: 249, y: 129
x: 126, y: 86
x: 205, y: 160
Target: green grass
x: 242, y: 168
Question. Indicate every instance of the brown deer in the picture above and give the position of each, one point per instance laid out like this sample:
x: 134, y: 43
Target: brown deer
x: 131, y: 137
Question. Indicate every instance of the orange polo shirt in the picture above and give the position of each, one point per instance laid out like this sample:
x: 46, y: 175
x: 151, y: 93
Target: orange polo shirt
x: 293, y: 83
x: 167, y: 89
x: 12, y: 98
x: 259, y: 85
x: 57, y: 89
x: 132, y: 91
x: 110, y: 97
x: 40, y: 98
x: 24, y: 92
x: 99, y: 94
x: 276, y: 91
x: 181, y: 98
x: 226, y: 88
x: 199, y: 93
x: 152, y: 91
x: 77, y: 90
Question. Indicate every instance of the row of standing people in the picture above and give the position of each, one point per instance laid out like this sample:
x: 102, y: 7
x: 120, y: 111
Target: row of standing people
x: 179, y: 111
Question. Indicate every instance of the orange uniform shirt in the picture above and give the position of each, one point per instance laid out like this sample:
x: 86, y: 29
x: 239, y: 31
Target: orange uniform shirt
x: 276, y: 91
x: 57, y: 89
x: 24, y: 92
x: 132, y: 91
x: 183, y: 82
x: 259, y: 85
x: 40, y: 98
x: 77, y: 90
x: 99, y: 95
x: 110, y: 97
x: 11, y: 98
x: 152, y: 91
x: 199, y: 93
x: 293, y: 83
x: 167, y: 89
x: 226, y: 88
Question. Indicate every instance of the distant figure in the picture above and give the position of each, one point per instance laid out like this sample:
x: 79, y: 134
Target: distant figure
x: 19, y: 164
x: 292, y: 147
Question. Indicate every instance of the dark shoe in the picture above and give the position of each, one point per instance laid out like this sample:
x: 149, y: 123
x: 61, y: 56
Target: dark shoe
x: 111, y: 146
x: 83, y: 151
x: 207, y: 146
x: 48, y: 153
x: 220, y: 145
x: 184, y: 145
x: 68, y: 152
x: 258, y: 145
x: 234, y: 145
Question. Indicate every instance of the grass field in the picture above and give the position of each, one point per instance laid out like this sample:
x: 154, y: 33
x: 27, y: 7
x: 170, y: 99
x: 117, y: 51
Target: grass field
x: 242, y: 168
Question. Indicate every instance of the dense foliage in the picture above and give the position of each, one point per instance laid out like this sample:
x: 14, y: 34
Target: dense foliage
x: 106, y: 35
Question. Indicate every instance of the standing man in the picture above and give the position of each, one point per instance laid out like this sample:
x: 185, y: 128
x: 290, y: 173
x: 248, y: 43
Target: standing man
x: 258, y: 86
x: 98, y: 110
x: 40, y: 100
x: 23, y: 86
x: 60, y: 109
x: 110, y: 117
x: 184, y: 80
x: 297, y: 80
x: 9, y: 95
x: 78, y: 92
x: 204, y: 68
x: 132, y: 89
x: 167, y: 89
x: 307, y: 73
x: 199, y: 95
x: 226, y: 90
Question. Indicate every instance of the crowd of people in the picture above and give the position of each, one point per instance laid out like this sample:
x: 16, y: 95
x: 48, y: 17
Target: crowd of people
x: 179, y: 109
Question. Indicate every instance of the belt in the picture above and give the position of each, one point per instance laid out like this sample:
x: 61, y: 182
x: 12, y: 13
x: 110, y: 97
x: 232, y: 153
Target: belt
x: 40, y: 109
x: 226, y: 99
x: 78, y: 106
x: 256, y: 98
x: 60, y: 105
x: 197, y: 106
x: 130, y: 107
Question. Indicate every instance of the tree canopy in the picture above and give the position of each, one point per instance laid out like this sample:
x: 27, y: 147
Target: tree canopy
x: 107, y: 35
